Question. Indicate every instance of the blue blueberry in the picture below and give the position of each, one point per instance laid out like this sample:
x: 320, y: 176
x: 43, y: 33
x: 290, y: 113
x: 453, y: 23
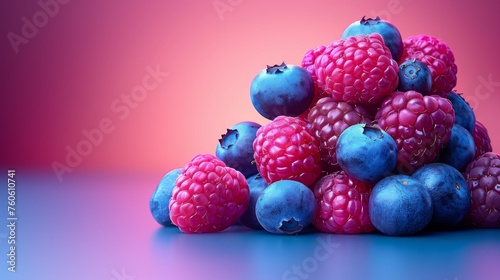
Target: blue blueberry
x: 460, y: 149
x: 449, y: 192
x: 366, y: 152
x: 286, y: 207
x: 235, y: 147
x: 257, y: 185
x: 389, y: 32
x: 158, y: 203
x: 400, y: 205
x: 414, y: 75
x: 282, y: 90
x: 464, y: 115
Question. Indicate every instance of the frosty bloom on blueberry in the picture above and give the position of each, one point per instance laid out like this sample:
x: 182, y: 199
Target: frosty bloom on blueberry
x: 257, y: 185
x: 366, y: 152
x: 449, y: 192
x: 285, y: 207
x: 415, y: 75
x: 158, y: 203
x: 389, y: 32
x: 235, y: 147
x: 460, y: 149
x: 400, y: 205
x: 464, y: 115
x: 283, y: 89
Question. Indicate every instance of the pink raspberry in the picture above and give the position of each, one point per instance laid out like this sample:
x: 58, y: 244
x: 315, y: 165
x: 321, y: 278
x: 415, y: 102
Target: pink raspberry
x: 481, y: 139
x: 286, y: 149
x: 419, y: 124
x: 309, y: 60
x: 437, y: 56
x: 342, y: 204
x: 308, y: 64
x: 208, y: 196
x: 328, y: 119
x: 483, y: 178
x: 359, y: 69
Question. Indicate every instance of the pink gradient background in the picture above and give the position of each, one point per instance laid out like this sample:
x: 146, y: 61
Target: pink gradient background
x: 90, y: 53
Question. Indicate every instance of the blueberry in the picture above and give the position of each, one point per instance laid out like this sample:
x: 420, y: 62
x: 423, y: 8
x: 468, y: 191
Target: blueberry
x: 464, y: 115
x: 460, y: 149
x: 366, y: 152
x: 389, y: 32
x: 158, y: 203
x: 414, y: 75
x: 400, y: 205
x: 286, y: 207
x: 449, y: 192
x: 235, y: 147
x: 256, y: 184
x: 282, y: 90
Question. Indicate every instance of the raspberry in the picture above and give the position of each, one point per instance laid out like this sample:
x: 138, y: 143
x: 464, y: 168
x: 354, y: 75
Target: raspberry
x: 309, y: 60
x: 328, y: 119
x: 437, y: 56
x: 286, y: 149
x: 359, y: 69
x: 308, y: 64
x: 481, y: 139
x: 208, y: 196
x: 419, y: 124
x: 342, y: 204
x: 483, y: 178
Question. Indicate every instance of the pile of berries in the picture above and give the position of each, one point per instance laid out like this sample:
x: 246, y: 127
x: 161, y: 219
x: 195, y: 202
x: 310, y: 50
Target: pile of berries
x: 366, y: 134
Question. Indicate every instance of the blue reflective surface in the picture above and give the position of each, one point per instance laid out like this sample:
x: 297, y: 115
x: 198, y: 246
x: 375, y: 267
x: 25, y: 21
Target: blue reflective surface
x: 246, y: 254
x: 98, y: 226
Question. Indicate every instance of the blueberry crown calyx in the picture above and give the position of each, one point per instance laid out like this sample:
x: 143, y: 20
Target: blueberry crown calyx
x: 370, y: 21
x: 275, y: 69
x: 229, y: 138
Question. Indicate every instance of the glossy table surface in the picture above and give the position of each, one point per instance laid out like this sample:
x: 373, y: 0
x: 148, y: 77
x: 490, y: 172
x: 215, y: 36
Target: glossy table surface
x: 98, y: 226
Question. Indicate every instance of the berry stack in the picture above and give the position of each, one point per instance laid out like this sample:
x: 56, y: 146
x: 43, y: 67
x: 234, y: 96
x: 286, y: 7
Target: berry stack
x: 367, y: 134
